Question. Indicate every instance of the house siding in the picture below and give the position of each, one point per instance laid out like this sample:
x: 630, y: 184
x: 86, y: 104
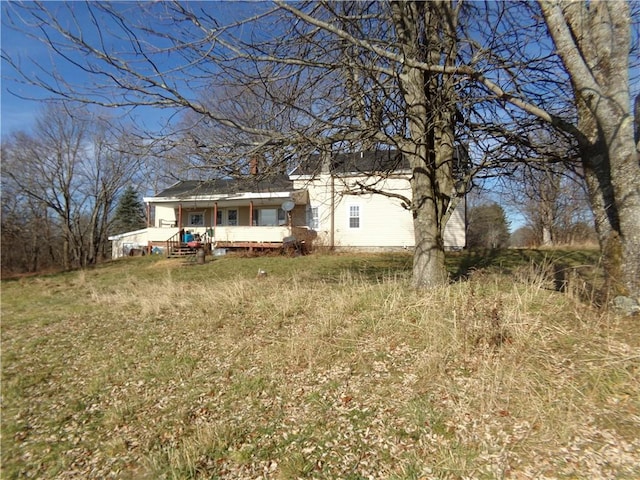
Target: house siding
x: 139, y: 239
x: 455, y: 231
x: 164, y: 215
x: 384, y: 222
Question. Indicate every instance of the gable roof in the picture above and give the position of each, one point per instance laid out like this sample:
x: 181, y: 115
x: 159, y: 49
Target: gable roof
x: 369, y: 161
x: 357, y: 162
x: 227, y: 186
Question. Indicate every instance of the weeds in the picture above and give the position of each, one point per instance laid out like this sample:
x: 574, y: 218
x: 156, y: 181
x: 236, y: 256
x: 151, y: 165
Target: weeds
x: 317, y: 371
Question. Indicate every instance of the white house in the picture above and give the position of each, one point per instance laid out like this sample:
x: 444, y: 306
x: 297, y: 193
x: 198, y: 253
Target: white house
x: 356, y: 202
x: 347, y: 201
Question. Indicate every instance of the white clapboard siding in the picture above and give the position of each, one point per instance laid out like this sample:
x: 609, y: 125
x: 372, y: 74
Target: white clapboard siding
x: 384, y: 222
x: 165, y: 215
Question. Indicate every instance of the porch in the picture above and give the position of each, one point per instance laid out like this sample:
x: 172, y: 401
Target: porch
x: 291, y: 240
x: 230, y: 237
x: 169, y: 240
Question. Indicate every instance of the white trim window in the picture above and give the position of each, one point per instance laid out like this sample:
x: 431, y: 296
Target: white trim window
x: 354, y: 216
x: 269, y: 217
x: 196, y: 219
x: 313, y: 219
x: 232, y: 217
x: 227, y: 217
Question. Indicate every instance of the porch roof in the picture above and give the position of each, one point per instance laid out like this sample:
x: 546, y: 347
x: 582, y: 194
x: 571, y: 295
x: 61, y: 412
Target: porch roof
x: 259, y: 187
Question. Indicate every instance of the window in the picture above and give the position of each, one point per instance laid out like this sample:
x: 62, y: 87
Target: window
x: 268, y: 217
x: 196, y: 219
x: 313, y: 221
x: 354, y: 216
x: 226, y: 217
x: 232, y: 217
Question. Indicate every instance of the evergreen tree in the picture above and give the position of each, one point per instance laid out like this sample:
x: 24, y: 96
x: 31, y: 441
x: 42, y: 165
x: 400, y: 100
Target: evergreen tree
x: 487, y: 227
x: 130, y: 214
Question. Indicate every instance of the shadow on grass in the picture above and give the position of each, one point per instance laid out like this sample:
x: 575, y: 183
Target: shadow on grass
x: 379, y: 267
x: 461, y: 265
x: 506, y: 261
x: 371, y: 267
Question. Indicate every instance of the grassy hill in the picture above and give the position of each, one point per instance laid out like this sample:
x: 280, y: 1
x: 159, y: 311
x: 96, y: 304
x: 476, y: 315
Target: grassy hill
x: 326, y: 367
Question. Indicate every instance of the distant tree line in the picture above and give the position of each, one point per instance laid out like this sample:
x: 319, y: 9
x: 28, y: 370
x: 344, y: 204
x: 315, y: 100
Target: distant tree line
x: 286, y: 78
x: 61, y: 185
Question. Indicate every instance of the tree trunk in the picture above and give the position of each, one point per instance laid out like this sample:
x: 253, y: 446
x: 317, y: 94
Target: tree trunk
x: 593, y: 40
x: 547, y: 239
x: 66, y: 260
x: 637, y: 122
x: 429, y: 269
x: 622, y: 249
x: 424, y: 32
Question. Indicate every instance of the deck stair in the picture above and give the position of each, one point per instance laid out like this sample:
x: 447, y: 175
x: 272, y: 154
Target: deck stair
x: 182, y: 251
x: 179, y: 249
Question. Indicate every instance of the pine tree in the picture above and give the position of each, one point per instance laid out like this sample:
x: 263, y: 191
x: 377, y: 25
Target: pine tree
x: 129, y: 213
x: 487, y: 227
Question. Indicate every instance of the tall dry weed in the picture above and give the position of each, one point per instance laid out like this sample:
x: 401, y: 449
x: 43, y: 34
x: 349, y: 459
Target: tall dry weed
x: 326, y: 376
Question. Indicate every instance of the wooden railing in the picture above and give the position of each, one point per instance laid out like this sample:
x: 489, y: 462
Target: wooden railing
x: 239, y: 234
x: 242, y: 236
x: 174, y: 243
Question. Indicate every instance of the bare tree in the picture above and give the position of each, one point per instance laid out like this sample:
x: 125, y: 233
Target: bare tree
x: 396, y: 74
x: 336, y: 74
x: 575, y: 77
x: 110, y: 165
x: 551, y: 196
x: 588, y: 63
x: 44, y: 168
x: 204, y: 147
x: 594, y: 42
x: 28, y: 237
x: 73, y: 171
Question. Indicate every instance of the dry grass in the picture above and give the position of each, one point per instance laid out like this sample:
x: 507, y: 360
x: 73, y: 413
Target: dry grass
x: 329, y: 367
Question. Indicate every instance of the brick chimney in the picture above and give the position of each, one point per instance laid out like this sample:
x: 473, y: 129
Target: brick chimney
x: 253, y: 165
x: 325, y: 160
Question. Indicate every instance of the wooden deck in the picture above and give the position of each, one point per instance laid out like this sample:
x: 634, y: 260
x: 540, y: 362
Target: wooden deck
x: 249, y: 245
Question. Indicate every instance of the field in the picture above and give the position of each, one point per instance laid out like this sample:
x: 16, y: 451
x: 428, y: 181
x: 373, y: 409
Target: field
x: 327, y: 367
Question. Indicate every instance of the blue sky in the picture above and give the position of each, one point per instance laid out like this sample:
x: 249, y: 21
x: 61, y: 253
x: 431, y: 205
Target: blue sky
x: 17, y: 113
x: 21, y: 102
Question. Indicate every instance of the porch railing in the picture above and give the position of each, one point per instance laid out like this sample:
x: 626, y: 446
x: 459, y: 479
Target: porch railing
x: 174, y: 243
x: 241, y: 235
x: 237, y: 234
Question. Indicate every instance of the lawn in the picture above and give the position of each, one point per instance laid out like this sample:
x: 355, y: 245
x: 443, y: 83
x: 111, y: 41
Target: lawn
x: 328, y: 367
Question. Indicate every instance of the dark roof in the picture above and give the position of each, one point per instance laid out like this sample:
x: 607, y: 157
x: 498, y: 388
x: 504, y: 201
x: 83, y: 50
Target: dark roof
x: 370, y: 161
x: 357, y: 162
x: 224, y: 186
